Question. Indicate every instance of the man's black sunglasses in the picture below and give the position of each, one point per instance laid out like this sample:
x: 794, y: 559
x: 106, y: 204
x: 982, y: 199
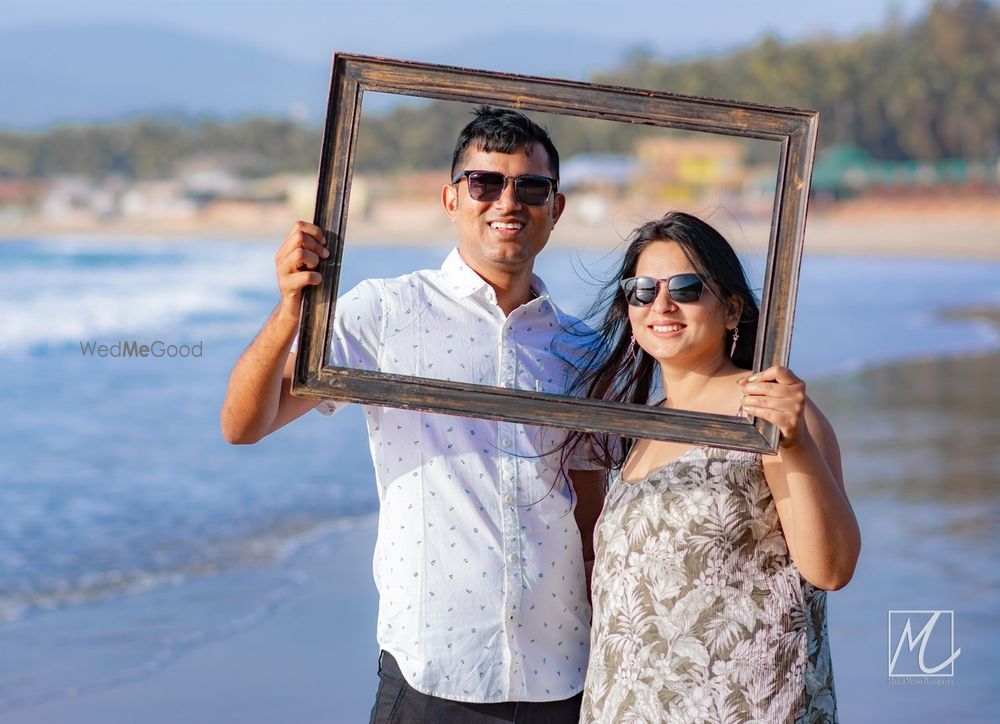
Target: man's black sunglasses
x: 682, y: 288
x: 489, y: 185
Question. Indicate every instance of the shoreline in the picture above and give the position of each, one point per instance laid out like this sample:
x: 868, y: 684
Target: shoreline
x: 281, y: 646
x: 827, y: 234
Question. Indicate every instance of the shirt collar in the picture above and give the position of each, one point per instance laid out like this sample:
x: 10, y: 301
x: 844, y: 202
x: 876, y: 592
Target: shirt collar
x: 462, y: 280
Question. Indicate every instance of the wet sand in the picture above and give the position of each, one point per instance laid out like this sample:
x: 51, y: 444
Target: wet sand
x: 912, y: 234
x: 921, y: 450
x: 311, y: 660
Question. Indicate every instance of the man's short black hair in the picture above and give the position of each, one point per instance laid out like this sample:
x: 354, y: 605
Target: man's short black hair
x: 498, y: 130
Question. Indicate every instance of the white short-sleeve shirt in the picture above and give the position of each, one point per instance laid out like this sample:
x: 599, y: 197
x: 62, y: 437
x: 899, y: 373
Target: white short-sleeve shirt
x: 478, y: 560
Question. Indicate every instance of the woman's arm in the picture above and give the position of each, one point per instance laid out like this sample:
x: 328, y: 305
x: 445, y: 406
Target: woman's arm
x: 806, y: 480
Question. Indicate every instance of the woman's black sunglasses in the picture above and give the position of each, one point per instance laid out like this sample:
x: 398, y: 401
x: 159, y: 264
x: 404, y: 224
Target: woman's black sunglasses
x: 682, y: 288
x: 489, y: 185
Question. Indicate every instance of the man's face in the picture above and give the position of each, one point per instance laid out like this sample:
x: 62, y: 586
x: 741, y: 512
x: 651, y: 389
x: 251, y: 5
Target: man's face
x: 505, y: 235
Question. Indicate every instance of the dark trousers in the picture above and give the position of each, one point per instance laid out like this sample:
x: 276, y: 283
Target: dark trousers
x: 399, y: 703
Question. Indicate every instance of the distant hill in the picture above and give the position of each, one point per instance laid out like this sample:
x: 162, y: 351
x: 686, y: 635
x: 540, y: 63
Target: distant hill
x: 105, y: 72
x: 88, y: 73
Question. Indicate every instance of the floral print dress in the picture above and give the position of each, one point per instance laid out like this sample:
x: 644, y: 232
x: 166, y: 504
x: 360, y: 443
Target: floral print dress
x: 699, y: 613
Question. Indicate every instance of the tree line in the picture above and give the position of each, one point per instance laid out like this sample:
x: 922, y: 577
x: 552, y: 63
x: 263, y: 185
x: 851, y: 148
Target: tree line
x: 153, y: 148
x: 925, y: 90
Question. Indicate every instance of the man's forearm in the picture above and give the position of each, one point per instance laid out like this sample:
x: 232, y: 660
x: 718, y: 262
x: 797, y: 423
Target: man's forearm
x: 253, y: 396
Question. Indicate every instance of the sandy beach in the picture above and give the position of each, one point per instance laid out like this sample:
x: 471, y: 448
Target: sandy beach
x: 953, y: 230
x: 312, y: 659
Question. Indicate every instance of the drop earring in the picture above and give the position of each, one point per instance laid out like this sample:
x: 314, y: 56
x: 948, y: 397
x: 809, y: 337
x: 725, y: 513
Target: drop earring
x: 736, y: 336
x: 631, y: 349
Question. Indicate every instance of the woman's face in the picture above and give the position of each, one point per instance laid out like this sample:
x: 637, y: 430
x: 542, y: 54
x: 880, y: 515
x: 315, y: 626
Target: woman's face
x: 684, y: 334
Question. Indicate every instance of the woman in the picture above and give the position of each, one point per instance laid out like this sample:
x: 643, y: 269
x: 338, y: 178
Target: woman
x: 712, y: 565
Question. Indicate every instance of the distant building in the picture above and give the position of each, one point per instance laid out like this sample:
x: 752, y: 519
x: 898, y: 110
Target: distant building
x: 681, y: 169
x: 596, y: 181
x: 848, y: 171
x: 19, y: 198
x: 602, y: 172
x: 157, y: 200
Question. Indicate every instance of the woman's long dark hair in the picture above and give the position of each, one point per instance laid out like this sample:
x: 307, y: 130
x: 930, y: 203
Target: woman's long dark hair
x: 618, y: 372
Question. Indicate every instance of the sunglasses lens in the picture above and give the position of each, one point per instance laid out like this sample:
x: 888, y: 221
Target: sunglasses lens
x: 532, y: 190
x: 685, y: 288
x: 639, y: 291
x: 485, y: 185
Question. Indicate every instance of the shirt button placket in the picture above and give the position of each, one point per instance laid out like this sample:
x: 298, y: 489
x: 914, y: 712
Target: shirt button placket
x: 514, y: 542
x: 507, y: 494
x: 510, y: 466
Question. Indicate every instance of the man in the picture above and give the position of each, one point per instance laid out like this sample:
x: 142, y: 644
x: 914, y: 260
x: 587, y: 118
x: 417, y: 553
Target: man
x: 479, y: 562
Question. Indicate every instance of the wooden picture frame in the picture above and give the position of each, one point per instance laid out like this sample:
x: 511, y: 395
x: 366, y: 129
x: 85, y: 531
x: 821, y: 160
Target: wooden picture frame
x: 353, y: 75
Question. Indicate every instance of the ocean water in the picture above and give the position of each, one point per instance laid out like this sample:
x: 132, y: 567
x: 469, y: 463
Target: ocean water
x: 115, y: 480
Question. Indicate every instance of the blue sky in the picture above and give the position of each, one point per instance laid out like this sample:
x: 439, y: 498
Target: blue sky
x: 310, y: 30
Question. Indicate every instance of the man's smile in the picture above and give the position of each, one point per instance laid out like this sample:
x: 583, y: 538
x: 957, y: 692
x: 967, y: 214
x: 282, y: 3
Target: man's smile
x: 507, y: 225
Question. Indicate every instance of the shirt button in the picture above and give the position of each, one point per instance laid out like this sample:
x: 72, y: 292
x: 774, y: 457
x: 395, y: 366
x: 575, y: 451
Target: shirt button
x: 507, y: 500
x: 512, y: 558
x: 506, y: 442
